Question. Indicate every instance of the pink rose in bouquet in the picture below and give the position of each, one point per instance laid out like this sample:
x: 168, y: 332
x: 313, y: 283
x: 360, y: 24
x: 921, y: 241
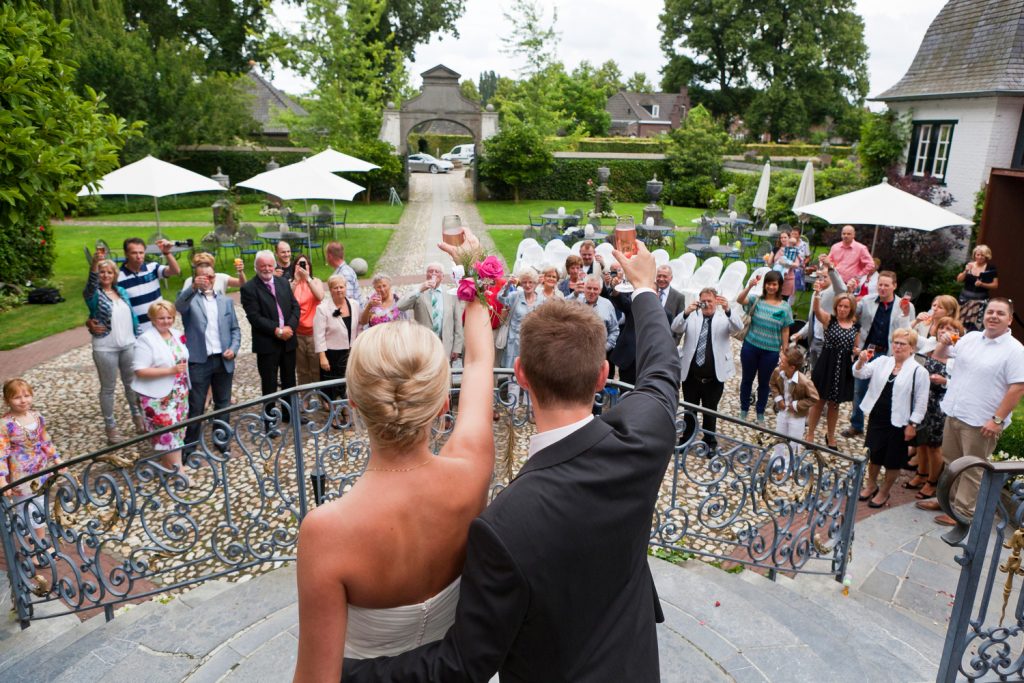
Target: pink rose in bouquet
x: 466, y: 290
x: 490, y: 268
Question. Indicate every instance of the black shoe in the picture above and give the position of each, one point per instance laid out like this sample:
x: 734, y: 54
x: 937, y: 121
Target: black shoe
x: 850, y: 433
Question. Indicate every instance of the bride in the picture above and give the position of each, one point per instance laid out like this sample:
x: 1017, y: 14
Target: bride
x: 378, y: 569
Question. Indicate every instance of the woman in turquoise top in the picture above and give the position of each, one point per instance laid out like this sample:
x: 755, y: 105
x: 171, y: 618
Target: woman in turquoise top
x: 768, y: 336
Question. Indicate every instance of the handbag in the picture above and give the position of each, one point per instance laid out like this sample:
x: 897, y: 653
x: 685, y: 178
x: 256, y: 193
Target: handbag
x: 747, y: 318
x: 501, y: 338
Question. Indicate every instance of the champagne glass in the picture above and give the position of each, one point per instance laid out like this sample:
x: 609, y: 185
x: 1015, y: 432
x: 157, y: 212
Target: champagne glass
x: 625, y: 242
x: 451, y: 230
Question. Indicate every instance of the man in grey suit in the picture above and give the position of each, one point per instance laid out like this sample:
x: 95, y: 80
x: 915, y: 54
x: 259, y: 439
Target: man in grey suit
x: 671, y: 300
x: 212, y: 337
x: 439, y: 310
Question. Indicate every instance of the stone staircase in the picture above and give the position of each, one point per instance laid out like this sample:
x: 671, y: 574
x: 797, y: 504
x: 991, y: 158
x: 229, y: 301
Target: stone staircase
x: 719, y: 626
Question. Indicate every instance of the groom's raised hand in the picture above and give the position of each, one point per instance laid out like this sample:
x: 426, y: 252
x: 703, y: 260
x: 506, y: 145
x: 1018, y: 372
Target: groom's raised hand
x: 640, y: 269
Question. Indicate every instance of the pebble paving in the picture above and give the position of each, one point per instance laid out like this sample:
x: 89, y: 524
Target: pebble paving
x: 66, y: 389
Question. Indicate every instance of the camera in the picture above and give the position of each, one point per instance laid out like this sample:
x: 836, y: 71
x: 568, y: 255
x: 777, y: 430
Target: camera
x: 187, y: 243
x: 702, y: 305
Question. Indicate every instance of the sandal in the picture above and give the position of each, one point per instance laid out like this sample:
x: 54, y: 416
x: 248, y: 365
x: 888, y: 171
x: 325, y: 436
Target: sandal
x: 923, y: 494
x: 910, y: 484
x: 869, y: 496
x: 873, y: 504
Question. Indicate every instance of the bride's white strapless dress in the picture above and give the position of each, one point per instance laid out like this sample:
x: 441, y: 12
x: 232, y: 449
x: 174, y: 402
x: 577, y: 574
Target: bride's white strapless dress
x: 392, y: 630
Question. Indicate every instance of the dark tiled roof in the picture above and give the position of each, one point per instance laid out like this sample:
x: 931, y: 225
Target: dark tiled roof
x: 972, y: 47
x: 635, y: 106
x: 266, y: 101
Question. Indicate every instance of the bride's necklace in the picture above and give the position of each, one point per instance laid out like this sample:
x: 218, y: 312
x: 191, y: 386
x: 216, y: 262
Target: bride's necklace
x: 399, y: 469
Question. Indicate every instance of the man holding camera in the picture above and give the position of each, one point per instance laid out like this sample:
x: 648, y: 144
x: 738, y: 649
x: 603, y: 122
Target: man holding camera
x: 706, y: 356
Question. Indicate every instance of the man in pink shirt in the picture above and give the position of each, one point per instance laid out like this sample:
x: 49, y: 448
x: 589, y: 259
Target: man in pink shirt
x: 849, y: 257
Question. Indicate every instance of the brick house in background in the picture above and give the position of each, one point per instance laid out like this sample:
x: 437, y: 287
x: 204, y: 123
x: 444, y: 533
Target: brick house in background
x: 265, y: 104
x: 965, y: 89
x: 644, y: 115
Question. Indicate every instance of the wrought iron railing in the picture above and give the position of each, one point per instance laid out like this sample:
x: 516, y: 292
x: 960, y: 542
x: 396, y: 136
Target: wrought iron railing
x: 985, y: 636
x: 117, y: 526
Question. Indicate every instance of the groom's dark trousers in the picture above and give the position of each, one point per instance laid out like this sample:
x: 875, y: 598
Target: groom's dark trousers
x: 556, y: 585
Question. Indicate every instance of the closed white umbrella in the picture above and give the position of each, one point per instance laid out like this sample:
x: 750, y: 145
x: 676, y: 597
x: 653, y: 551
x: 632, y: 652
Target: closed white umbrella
x: 339, y: 162
x: 884, y: 205
x: 303, y: 181
x: 805, y: 193
x: 761, y: 198
x: 154, y: 178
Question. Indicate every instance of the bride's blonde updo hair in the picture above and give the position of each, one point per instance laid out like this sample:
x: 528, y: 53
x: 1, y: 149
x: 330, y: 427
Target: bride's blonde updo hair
x: 398, y: 379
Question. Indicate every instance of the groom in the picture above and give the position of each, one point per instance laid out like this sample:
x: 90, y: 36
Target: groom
x: 556, y: 586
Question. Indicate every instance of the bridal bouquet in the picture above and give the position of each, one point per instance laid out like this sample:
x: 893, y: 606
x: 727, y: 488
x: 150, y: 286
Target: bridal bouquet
x: 481, y: 274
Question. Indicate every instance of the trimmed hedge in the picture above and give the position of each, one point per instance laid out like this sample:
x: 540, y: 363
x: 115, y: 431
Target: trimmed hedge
x: 102, y: 206
x: 775, y: 150
x: 622, y: 145
x: 568, y: 180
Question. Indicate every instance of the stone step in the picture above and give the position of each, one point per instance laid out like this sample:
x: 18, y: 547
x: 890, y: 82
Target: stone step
x: 799, y: 629
x: 762, y: 630
x: 158, y: 642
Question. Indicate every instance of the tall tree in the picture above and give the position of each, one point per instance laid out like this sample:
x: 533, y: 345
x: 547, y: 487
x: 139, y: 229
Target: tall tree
x: 638, y: 83
x: 609, y: 78
x: 52, y: 140
x: 226, y: 31
x: 488, y: 84
x: 532, y: 39
x: 167, y: 83
x: 468, y: 89
x: 695, y: 159
x: 805, y: 58
x: 515, y: 156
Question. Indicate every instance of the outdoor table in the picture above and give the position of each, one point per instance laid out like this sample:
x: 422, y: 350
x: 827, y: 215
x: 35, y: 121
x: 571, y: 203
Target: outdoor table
x: 764, y: 233
x: 154, y: 250
x: 726, y: 250
x: 659, y: 233
x: 279, y: 235
x: 559, y: 217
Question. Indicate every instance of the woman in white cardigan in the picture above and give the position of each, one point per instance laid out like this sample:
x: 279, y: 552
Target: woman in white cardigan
x: 335, y: 327
x: 162, y: 383
x: 896, y: 399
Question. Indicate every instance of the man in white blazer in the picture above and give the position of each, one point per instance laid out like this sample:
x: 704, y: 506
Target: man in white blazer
x: 705, y: 358
x: 212, y: 337
x: 437, y: 309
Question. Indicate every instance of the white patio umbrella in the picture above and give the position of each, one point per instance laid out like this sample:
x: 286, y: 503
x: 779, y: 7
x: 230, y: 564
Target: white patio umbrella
x: 805, y: 193
x: 761, y: 198
x: 334, y: 161
x: 151, y: 177
x: 884, y: 205
x: 339, y: 162
x: 303, y: 181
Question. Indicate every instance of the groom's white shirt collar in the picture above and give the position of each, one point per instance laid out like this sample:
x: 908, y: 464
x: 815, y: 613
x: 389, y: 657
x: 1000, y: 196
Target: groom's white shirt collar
x: 541, y: 441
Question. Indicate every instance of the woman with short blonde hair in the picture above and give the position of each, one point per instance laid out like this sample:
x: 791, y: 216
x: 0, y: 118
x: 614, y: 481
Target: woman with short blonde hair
x: 221, y: 281
x: 979, y: 277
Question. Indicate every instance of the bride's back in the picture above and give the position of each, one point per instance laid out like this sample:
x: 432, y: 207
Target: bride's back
x: 403, y: 526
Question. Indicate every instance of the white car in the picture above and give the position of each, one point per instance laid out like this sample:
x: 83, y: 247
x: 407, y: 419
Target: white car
x: 425, y: 162
x: 463, y: 153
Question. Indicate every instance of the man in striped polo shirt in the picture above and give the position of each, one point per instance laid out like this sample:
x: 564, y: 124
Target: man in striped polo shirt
x: 141, y: 280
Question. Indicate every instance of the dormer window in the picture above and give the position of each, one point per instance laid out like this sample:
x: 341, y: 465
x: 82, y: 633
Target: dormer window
x: 655, y: 110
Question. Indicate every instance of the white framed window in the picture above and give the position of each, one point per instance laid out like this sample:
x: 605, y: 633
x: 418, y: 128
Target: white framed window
x: 655, y: 110
x: 930, y: 144
x: 924, y: 140
x: 943, y: 139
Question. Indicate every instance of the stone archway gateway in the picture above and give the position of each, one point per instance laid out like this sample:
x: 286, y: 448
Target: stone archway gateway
x: 439, y: 100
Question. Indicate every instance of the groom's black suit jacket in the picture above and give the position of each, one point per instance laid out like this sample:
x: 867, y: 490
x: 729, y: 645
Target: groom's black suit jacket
x: 556, y: 585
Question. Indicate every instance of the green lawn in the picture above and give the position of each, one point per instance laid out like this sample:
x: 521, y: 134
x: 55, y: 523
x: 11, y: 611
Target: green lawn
x: 510, y: 213
x: 70, y: 272
x: 358, y: 212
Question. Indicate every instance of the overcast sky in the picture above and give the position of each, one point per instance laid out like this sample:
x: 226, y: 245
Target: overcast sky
x: 598, y: 30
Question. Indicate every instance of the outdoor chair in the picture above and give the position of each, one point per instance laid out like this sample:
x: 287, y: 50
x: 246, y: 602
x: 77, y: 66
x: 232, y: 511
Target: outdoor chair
x: 343, y: 223
x: 534, y: 223
x: 731, y: 282
x: 531, y: 233
x: 549, y: 232
x: 246, y: 239
x: 762, y: 249
x: 209, y: 244
x: 314, y: 241
x: 758, y: 289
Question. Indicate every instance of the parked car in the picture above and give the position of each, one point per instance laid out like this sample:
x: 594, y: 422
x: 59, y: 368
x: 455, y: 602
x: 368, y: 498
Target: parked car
x: 463, y: 153
x: 425, y: 162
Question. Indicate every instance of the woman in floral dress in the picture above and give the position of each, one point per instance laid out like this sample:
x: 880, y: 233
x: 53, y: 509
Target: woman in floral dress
x: 382, y: 306
x: 162, y: 383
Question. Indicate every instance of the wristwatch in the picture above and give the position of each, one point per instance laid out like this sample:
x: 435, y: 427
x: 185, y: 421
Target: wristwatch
x: 998, y: 420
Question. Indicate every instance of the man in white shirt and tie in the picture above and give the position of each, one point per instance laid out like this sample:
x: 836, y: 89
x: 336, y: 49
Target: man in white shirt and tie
x: 706, y: 361
x: 437, y: 309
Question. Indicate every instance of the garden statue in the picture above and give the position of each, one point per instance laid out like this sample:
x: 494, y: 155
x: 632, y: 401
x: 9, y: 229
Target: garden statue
x: 652, y: 210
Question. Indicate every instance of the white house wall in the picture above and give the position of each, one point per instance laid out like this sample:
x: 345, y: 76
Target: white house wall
x: 984, y: 136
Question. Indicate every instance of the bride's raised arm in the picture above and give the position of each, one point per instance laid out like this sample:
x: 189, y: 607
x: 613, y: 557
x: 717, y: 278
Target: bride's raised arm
x: 472, y: 438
